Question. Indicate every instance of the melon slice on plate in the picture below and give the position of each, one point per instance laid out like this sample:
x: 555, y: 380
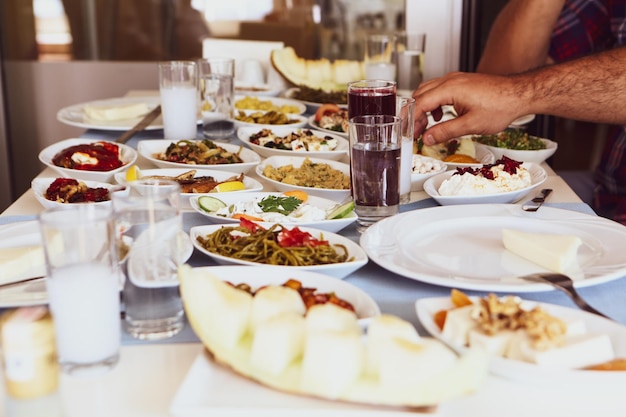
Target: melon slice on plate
x: 316, y: 73
x: 324, y: 352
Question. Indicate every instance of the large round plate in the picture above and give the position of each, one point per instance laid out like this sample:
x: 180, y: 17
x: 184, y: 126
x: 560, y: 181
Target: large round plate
x: 276, y: 101
x: 280, y: 161
x: 148, y: 148
x: 533, y: 373
x: 338, y: 270
x: 315, y: 125
x: 431, y: 186
x: 365, y: 307
x: 461, y: 246
x: 128, y: 156
x: 74, y: 115
x: 333, y: 225
x: 244, y: 133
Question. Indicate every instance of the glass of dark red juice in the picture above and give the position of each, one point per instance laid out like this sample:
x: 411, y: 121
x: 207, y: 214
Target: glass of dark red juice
x: 371, y: 97
x: 375, y: 147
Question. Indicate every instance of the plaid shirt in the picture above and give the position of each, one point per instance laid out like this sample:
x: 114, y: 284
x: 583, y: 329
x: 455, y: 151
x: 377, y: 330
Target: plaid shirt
x: 585, y: 27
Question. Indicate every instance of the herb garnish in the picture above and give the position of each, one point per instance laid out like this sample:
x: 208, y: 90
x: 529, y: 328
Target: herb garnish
x: 282, y: 205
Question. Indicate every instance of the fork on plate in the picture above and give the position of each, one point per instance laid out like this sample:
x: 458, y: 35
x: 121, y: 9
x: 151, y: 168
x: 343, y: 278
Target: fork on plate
x: 565, y: 284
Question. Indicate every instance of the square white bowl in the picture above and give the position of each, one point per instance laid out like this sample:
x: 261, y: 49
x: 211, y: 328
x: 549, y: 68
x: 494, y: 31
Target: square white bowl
x: 128, y: 156
x: 279, y: 161
x: 537, y: 156
x: 40, y: 186
x: 151, y: 147
x: 332, y: 225
x: 341, y: 151
x: 338, y: 270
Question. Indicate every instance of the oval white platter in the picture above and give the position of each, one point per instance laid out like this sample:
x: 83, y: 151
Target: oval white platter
x: 533, y: 373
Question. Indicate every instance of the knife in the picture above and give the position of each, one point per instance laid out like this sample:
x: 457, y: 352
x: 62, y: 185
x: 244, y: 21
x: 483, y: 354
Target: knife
x: 535, y: 203
x: 143, y: 123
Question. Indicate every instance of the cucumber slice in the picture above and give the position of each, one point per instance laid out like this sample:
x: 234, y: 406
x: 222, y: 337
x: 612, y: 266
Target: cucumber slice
x: 341, y: 211
x: 210, y: 204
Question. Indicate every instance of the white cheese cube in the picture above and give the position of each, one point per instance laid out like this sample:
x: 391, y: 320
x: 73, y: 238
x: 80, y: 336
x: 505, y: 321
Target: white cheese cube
x: 554, y: 252
x: 332, y: 361
x: 577, y: 351
x: 273, y: 300
x: 406, y: 363
x: 458, y: 324
x: 278, y: 341
x: 496, y: 344
x: 18, y: 263
x: 381, y: 331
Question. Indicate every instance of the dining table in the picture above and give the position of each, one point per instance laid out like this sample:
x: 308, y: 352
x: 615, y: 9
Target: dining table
x: 176, y: 376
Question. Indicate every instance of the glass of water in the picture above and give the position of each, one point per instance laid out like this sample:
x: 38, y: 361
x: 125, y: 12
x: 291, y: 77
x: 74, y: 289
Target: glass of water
x: 217, y: 95
x: 150, y: 243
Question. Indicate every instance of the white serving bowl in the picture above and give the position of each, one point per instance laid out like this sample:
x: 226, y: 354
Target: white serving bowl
x: 128, y: 156
x: 333, y: 225
x: 536, y: 157
x: 431, y: 186
x: 40, y: 185
x: 148, y: 148
x: 279, y: 161
x: 418, y: 179
x: 338, y: 270
x: 250, y: 183
x: 276, y: 101
x: 364, y: 305
x: 265, y: 90
x: 299, y: 121
x: 244, y: 134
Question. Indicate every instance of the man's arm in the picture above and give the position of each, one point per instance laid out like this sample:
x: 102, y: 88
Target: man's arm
x: 519, y: 38
x: 592, y: 88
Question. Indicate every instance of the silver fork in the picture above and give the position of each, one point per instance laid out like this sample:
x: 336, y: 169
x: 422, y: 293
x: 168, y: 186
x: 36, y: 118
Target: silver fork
x: 565, y: 284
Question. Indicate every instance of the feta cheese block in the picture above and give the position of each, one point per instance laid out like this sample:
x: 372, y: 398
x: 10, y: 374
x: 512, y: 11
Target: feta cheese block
x: 21, y: 263
x: 496, y: 344
x: 458, y: 324
x: 113, y: 113
x: 576, y: 352
x: 554, y: 252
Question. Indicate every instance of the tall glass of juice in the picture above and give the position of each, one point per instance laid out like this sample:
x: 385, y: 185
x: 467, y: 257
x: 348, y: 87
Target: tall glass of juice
x: 375, y: 166
x: 371, y: 97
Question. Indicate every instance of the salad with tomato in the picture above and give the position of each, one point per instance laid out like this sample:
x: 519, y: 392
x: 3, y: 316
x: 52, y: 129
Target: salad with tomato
x: 332, y: 117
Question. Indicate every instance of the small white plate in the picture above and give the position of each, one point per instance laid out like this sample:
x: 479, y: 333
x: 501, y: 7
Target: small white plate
x: 418, y: 179
x: 128, y: 156
x: 40, y: 186
x: 533, y: 373
x: 298, y: 120
x: 280, y: 161
x: 431, y: 186
x: 537, y: 156
x: 334, y: 225
x: 342, y: 149
x: 338, y: 270
x: 314, y: 125
x: 276, y: 101
x: 151, y: 147
x: 250, y: 183
x: 267, y: 90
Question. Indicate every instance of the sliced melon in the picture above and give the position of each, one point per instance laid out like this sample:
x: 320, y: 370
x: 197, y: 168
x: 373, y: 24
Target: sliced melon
x: 326, y: 359
x: 316, y: 73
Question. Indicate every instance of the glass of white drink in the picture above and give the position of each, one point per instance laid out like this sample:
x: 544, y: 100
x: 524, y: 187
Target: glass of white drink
x: 83, y: 286
x: 178, y: 85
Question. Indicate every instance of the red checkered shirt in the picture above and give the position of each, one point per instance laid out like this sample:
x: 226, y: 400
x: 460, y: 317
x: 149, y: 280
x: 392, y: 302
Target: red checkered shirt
x: 585, y: 27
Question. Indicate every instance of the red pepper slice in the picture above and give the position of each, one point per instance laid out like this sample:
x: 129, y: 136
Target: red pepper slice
x: 296, y: 237
x: 250, y: 225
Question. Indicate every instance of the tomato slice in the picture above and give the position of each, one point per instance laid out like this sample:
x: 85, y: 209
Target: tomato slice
x: 296, y: 237
x: 250, y: 225
x: 326, y: 109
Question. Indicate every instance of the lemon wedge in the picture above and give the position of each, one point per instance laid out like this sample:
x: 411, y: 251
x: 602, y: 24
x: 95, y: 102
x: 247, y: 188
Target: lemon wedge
x: 229, y: 186
x: 133, y: 173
